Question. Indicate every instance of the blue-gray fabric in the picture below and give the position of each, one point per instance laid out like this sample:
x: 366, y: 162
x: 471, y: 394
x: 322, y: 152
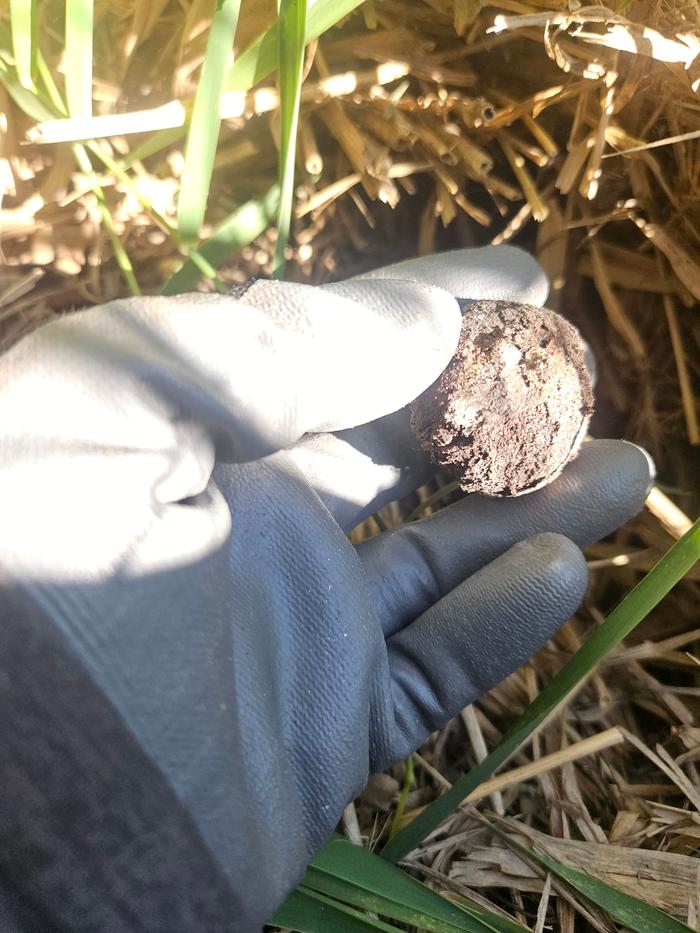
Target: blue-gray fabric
x: 176, y: 479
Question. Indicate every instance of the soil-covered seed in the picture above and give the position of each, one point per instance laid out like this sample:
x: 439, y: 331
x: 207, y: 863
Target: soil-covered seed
x: 512, y: 406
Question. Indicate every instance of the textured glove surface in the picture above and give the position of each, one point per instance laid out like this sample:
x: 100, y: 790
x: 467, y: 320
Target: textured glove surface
x: 174, y: 507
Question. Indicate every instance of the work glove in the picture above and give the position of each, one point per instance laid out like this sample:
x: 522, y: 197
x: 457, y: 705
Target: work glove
x: 198, y: 670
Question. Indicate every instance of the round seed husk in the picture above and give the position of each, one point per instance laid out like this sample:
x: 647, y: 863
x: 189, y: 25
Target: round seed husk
x: 513, y: 405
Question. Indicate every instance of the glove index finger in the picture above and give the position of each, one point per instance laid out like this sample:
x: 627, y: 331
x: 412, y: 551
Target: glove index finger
x: 495, y: 272
x: 354, y: 351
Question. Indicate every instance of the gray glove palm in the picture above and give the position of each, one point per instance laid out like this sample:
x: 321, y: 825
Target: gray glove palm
x: 174, y: 515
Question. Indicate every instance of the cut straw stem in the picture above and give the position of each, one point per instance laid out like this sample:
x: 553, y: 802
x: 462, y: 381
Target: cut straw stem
x: 675, y: 521
x: 684, y: 381
x: 533, y: 769
x: 540, y: 211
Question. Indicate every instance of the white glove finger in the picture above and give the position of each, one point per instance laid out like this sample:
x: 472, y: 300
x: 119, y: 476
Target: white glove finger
x: 497, y: 272
x: 347, y: 355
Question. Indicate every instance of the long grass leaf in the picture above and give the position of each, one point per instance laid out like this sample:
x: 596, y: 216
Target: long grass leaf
x: 48, y: 90
x: 51, y: 98
x: 621, y: 621
x: 633, y: 912
x: 257, y: 62
x: 387, y: 903
x: 79, y: 150
x: 291, y: 40
x: 308, y: 912
x: 260, y: 58
x: 24, y: 34
x: 154, y: 144
x: 352, y: 874
x: 120, y: 254
x: 403, y: 795
x: 203, y: 133
x: 237, y: 230
x: 26, y: 100
x: 636, y: 914
x: 79, y: 27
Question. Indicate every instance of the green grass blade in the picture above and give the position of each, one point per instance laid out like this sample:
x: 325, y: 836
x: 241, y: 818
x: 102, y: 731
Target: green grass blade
x: 352, y: 874
x: 49, y: 91
x: 403, y: 794
x: 260, y: 58
x: 119, y: 172
x: 203, y: 134
x: 45, y: 102
x: 26, y: 100
x: 237, y: 230
x: 205, y: 268
x: 621, y: 621
x: 257, y: 62
x: 53, y: 98
x: 308, y: 912
x: 120, y: 254
x: 79, y: 26
x: 117, y: 169
x: 633, y: 912
x: 23, y: 24
x: 291, y: 42
x: 388, y: 905
x: 154, y: 144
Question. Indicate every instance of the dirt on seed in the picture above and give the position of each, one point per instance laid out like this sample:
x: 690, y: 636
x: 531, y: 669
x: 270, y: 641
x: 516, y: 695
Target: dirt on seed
x: 512, y: 406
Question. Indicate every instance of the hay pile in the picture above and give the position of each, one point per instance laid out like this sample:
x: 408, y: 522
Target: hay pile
x: 432, y: 123
x: 494, y: 114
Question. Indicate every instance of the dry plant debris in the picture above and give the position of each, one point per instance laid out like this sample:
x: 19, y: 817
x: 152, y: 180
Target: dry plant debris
x: 584, y: 119
x: 572, y: 130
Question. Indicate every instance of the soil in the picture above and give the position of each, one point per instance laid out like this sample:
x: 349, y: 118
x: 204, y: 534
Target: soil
x: 513, y: 405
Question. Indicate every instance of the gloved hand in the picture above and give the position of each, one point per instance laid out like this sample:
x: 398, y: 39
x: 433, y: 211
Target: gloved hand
x: 197, y: 669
